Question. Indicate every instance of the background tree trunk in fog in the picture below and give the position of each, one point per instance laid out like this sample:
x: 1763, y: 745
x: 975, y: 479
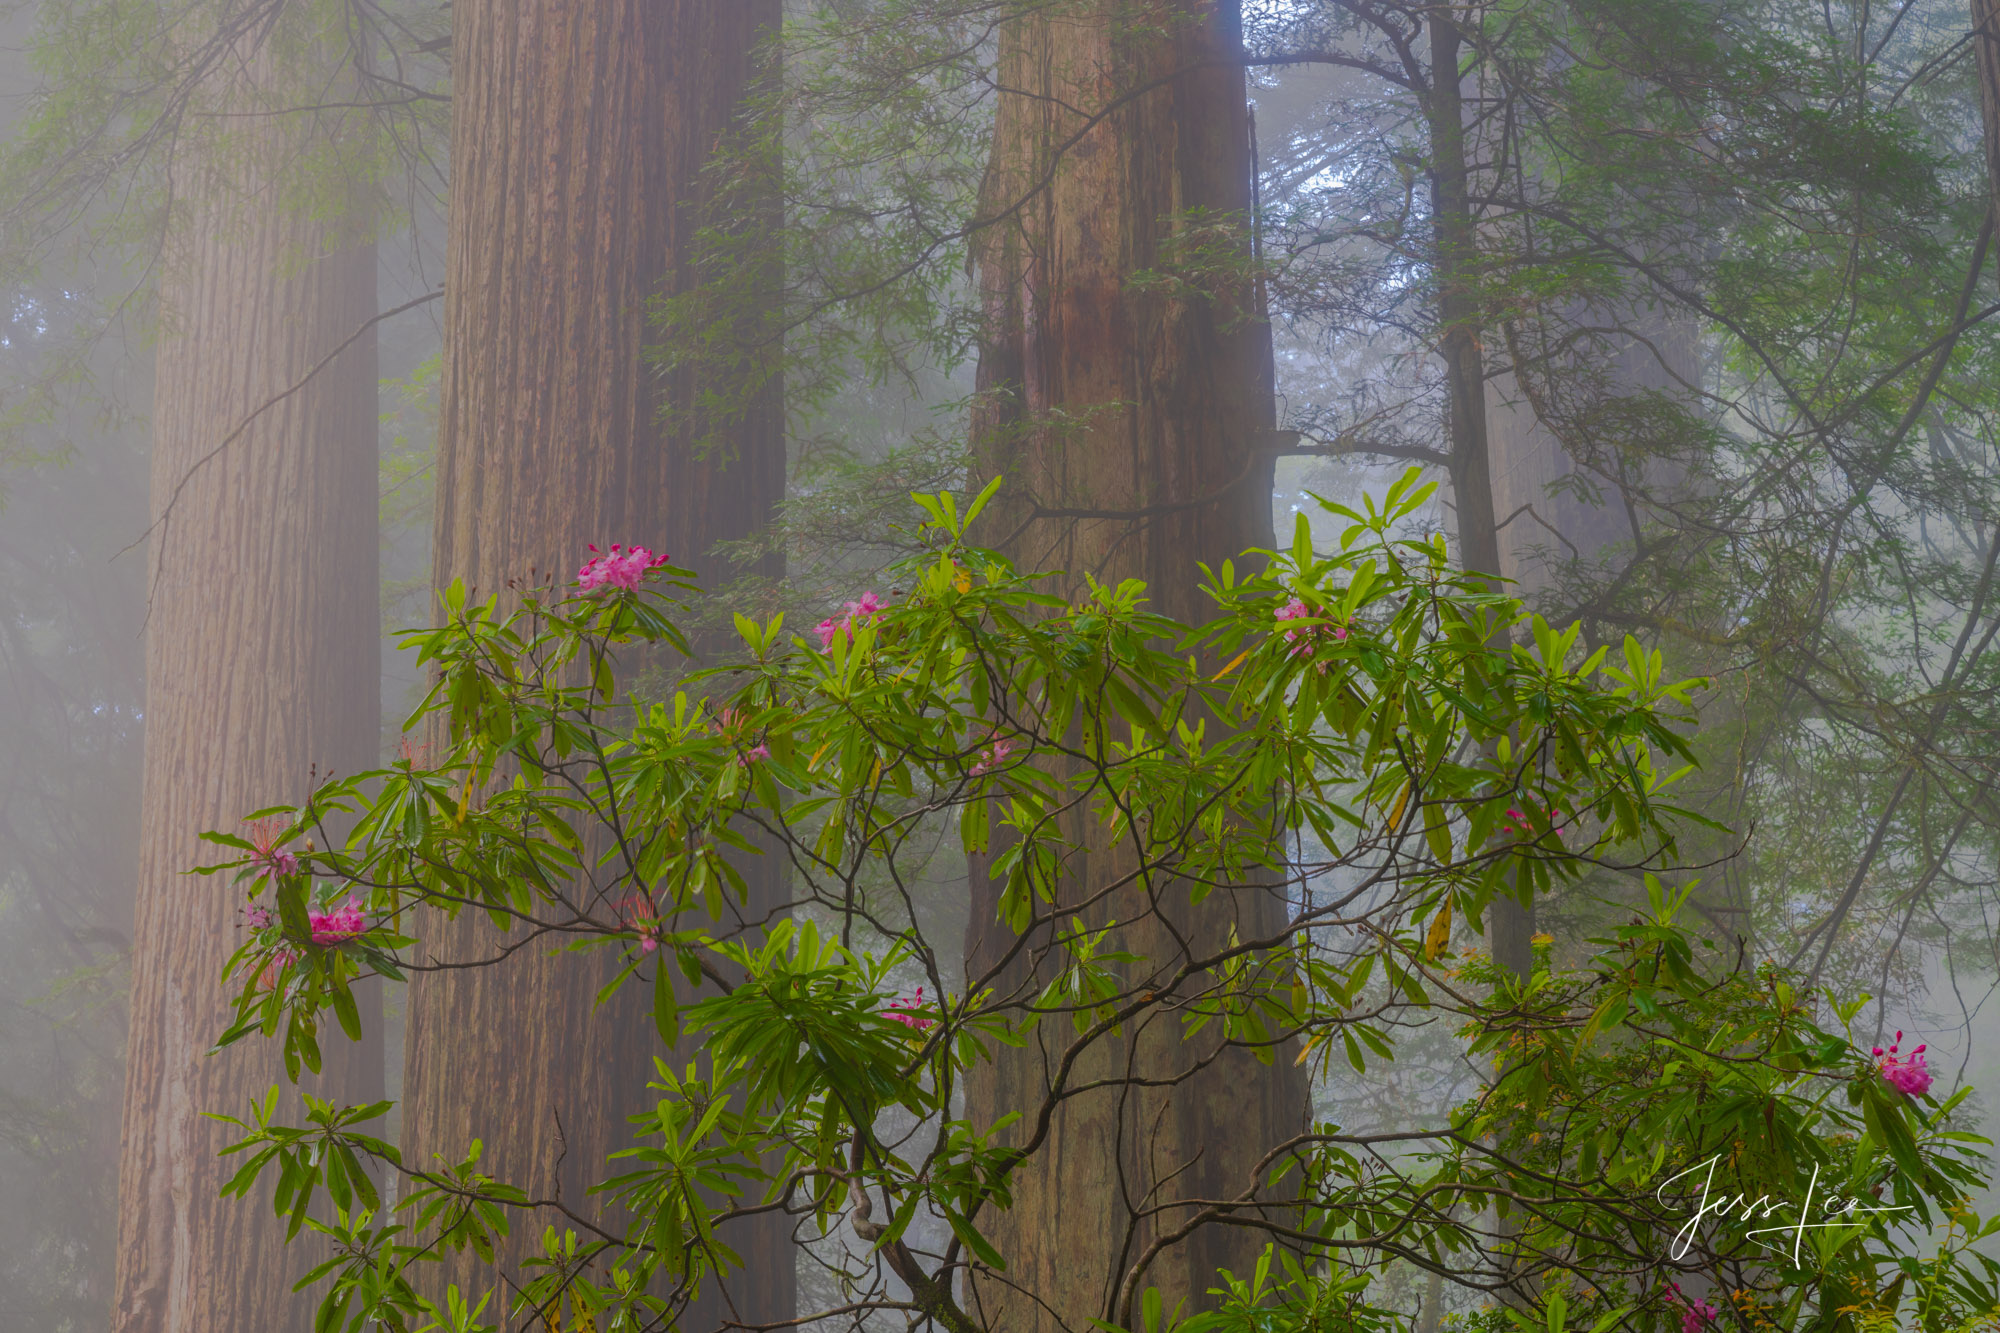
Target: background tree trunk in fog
x: 1546, y: 522
x: 1553, y: 528
x: 1099, y: 397
x: 1986, y: 42
x: 261, y: 665
x: 578, y: 133
x: 1509, y: 926
x: 1455, y: 237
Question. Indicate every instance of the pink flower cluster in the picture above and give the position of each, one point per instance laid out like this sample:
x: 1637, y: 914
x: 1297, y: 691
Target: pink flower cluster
x: 907, y: 1010
x: 338, y: 926
x: 327, y: 929
x: 1517, y: 823
x: 729, y: 723
x: 992, y: 757
x: 638, y: 914
x: 855, y: 613
x: 335, y: 927
x: 1694, y: 1313
x: 626, y: 571
x: 1907, y: 1074
x: 1301, y: 639
x: 271, y: 860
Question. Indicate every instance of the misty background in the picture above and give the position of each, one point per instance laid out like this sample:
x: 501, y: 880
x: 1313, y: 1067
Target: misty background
x: 1822, y: 673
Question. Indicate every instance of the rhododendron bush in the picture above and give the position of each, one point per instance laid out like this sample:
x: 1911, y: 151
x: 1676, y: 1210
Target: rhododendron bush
x: 1389, y: 746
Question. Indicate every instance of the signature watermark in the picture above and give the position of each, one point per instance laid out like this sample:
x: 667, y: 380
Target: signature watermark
x: 1835, y: 1210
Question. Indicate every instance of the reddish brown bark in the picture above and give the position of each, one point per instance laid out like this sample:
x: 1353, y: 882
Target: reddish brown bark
x: 261, y: 663
x: 1104, y: 398
x: 580, y: 129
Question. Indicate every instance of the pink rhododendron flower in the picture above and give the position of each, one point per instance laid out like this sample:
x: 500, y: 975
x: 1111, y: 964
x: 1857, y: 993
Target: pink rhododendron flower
x: 1301, y: 639
x: 257, y: 916
x: 855, y: 613
x: 338, y: 926
x: 638, y: 914
x: 906, y: 1010
x: 729, y: 723
x: 1517, y: 822
x: 274, y: 969
x: 271, y: 860
x: 1907, y: 1074
x: 992, y: 757
x: 1694, y: 1314
x: 625, y: 571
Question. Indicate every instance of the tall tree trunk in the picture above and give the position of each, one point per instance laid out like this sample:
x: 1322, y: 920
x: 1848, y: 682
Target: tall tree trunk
x: 1157, y: 409
x: 1533, y: 496
x: 1986, y: 42
x: 261, y: 666
x: 1509, y: 926
x: 579, y: 132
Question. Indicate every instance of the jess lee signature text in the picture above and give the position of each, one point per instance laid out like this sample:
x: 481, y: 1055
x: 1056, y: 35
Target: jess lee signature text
x: 1835, y: 1210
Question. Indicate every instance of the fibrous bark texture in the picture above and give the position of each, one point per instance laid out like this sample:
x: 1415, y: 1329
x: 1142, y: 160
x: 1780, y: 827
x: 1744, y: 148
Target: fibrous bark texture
x: 1152, y: 408
x: 262, y: 665
x: 580, y: 128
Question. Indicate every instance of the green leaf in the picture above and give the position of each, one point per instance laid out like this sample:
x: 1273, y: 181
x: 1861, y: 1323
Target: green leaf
x: 975, y: 1242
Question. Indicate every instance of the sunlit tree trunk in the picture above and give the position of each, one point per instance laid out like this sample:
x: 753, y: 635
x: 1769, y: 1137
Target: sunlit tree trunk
x: 262, y: 667
x: 1154, y: 408
x: 579, y: 130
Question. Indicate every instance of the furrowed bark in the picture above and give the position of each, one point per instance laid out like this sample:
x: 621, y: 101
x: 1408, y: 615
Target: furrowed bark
x: 1099, y: 396
x: 580, y: 130
x: 261, y: 666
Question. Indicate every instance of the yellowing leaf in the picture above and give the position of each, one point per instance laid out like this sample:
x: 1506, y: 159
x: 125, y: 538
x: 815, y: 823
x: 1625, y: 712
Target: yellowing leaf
x: 1234, y: 662
x: 1438, y: 940
x: 1311, y: 1042
x: 1402, y: 800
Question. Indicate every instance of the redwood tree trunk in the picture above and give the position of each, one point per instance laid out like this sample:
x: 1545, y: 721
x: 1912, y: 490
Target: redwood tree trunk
x: 1986, y: 42
x: 262, y: 665
x: 1097, y: 396
x: 1510, y: 927
x: 1529, y: 462
x: 1455, y: 238
x: 579, y: 129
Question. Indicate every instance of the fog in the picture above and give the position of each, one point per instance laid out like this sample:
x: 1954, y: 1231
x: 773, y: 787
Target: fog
x: 317, y: 309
